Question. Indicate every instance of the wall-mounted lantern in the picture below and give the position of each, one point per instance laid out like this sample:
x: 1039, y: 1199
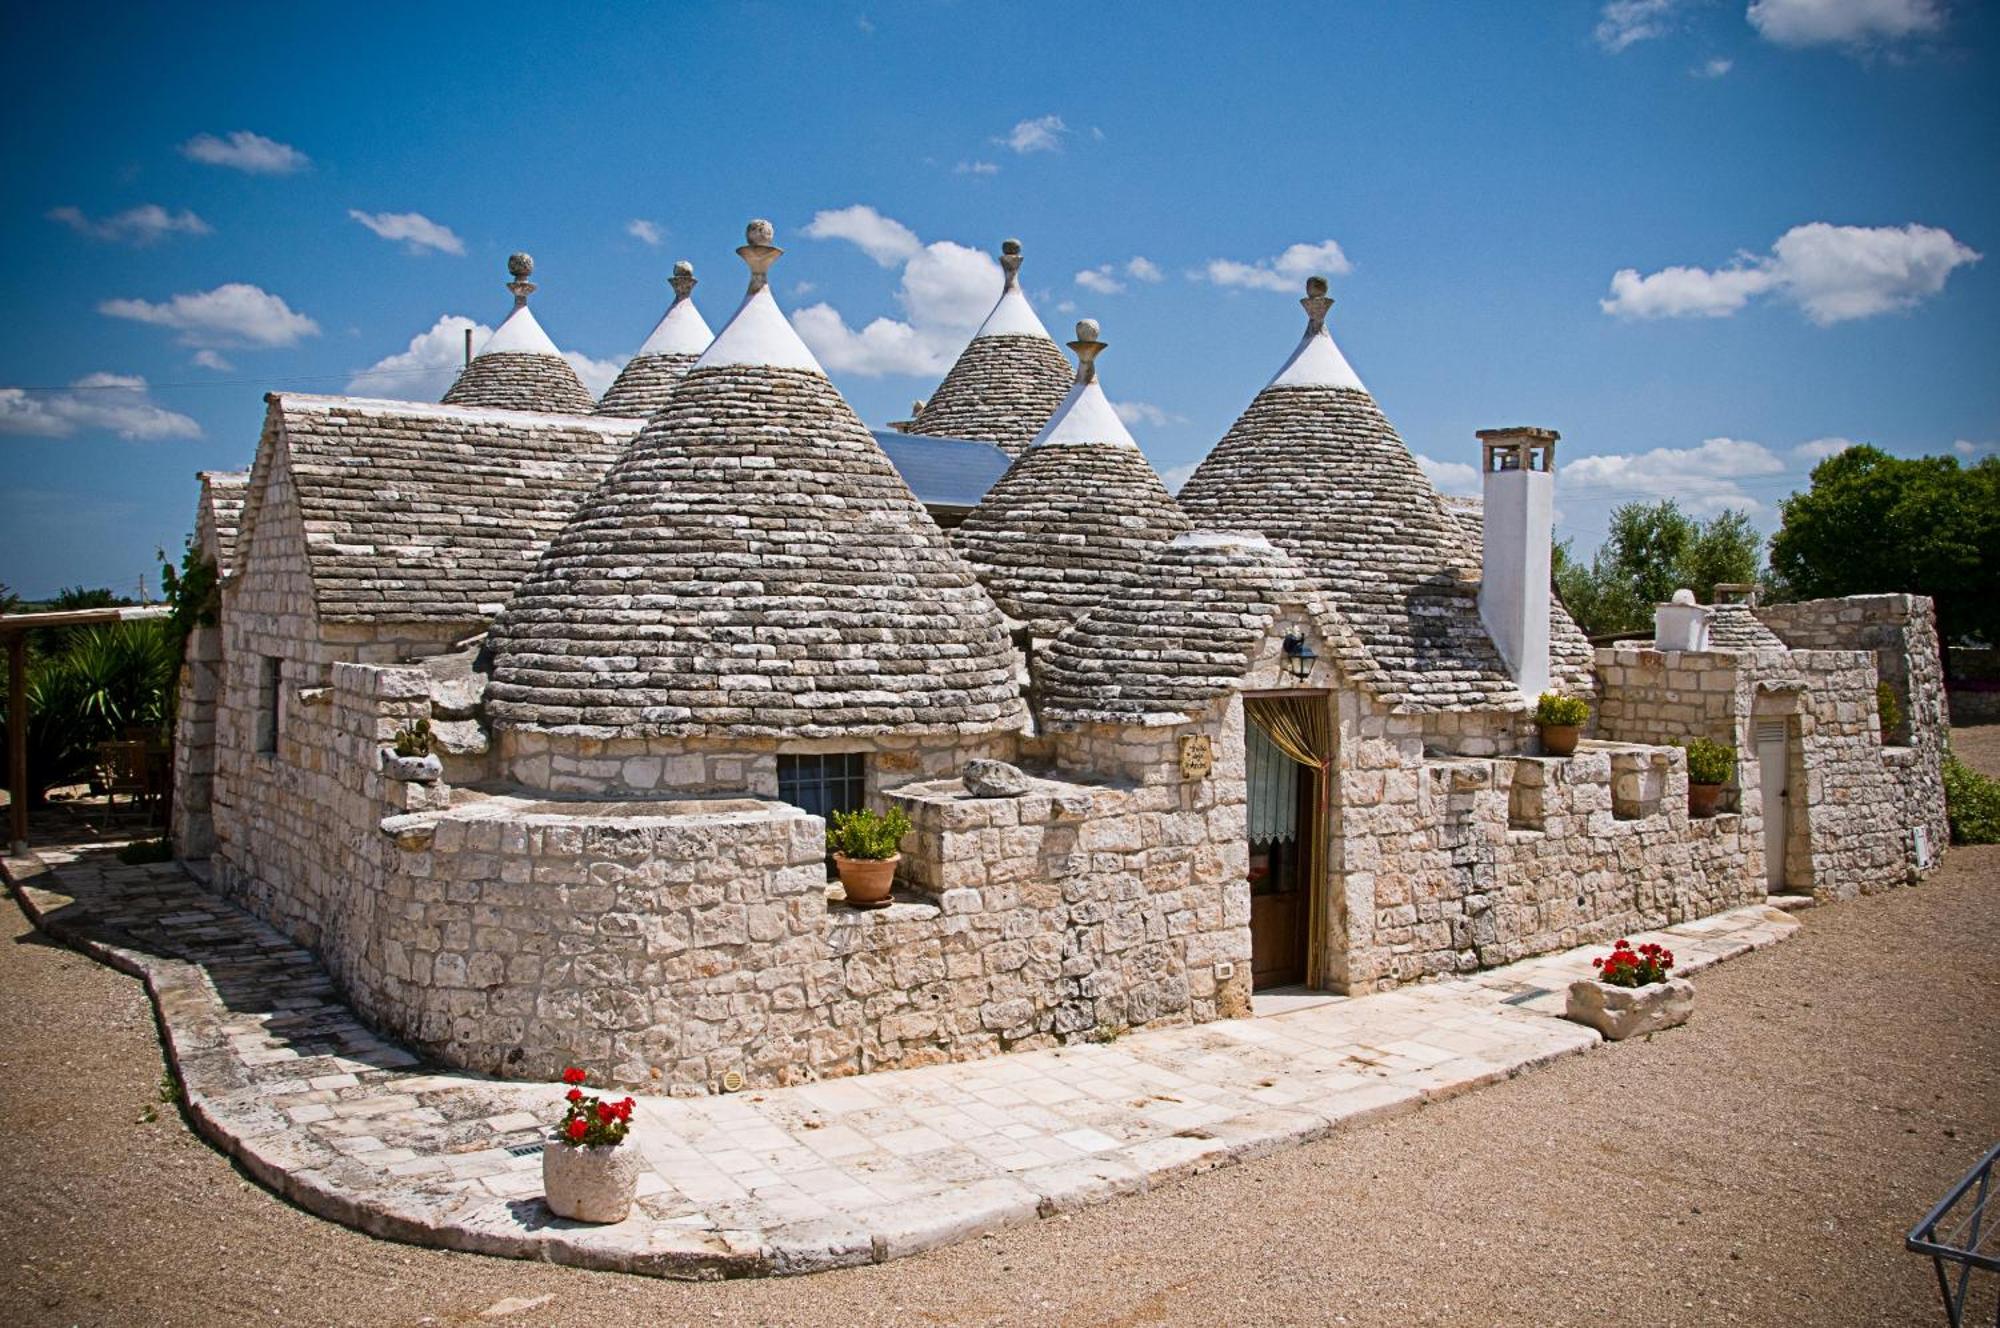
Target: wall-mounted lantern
x: 1299, y: 657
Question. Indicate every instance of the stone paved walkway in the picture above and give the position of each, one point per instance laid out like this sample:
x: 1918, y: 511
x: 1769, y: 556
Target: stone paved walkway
x: 278, y: 1073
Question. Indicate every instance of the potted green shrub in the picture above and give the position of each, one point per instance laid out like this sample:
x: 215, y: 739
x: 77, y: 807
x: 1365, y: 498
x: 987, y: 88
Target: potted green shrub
x: 588, y: 1175
x: 865, y: 853
x: 1635, y: 991
x: 1559, y: 718
x: 410, y: 758
x: 1710, y: 766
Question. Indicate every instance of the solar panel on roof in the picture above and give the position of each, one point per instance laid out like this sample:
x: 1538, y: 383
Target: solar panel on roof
x: 944, y: 472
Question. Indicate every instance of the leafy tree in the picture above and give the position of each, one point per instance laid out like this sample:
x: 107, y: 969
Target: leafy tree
x: 1652, y: 550
x: 1873, y: 524
x: 77, y: 597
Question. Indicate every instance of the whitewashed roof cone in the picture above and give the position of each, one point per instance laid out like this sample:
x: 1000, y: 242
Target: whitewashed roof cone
x: 1314, y: 465
x: 677, y: 341
x: 753, y: 566
x: 1009, y: 378
x: 1184, y: 630
x: 1075, y: 515
x: 519, y: 368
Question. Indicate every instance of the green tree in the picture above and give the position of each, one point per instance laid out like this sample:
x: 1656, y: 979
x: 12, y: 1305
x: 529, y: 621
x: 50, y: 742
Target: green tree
x: 1652, y: 550
x: 1873, y: 524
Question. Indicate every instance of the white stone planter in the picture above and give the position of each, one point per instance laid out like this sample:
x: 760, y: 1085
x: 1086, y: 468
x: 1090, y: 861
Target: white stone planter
x: 590, y: 1184
x: 412, y: 769
x: 1620, y: 1012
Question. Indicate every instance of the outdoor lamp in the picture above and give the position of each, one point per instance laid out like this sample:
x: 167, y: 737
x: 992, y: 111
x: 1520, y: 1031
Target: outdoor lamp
x: 1299, y: 657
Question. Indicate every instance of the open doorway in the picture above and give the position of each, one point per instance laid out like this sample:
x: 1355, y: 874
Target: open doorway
x: 1288, y: 746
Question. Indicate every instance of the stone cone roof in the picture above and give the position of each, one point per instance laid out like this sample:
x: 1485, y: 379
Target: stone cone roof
x: 1735, y: 627
x: 1314, y: 465
x: 519, y: 367
x: 753, y: 566
x: 1009, y: 378
x: 1184, y: 632
x: 677, y: 341
x: 1075, y: 516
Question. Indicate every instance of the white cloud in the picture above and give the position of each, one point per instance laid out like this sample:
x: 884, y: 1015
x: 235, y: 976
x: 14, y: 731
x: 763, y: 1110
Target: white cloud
x: 1703, y: 479
x: 883, y: 239
x: 1853, y: 23
x: 975, y: 168
x: 111, y: 403
x: 234, y: 314
x: 1146, y: 413
x: 1819, y: 449
x: 1714, y: 67
x: 1622, y: 23
x: 427, y: 367
x: 414, y: 230
x: 1457, y: 478
x: 945, y: 292
x: 1042, y: 134
x: 1099, y: 279
x: 208, y: 359
x: 645, y: 232
x: 1833, y: 273
x: 141, y: 225
x: 1142, y: 268
x: 1066, y: 307
x: 247, y: 152
x: 1970, y: 450
x: 596, y: 374
x: 1286, y: 272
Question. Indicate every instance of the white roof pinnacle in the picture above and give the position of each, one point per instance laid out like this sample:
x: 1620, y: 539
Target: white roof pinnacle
x: 1012, y: 315
x: 1317, y: 362
x: 759, y: 332
x: 520, y: 333
x: 682, y: 330
x: 1086, y: 415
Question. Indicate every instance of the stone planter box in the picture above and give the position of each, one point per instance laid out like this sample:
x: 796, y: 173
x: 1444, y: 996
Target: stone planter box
x: 412, y: 769
x: 1621, y: 1012
x: 590, y: 1184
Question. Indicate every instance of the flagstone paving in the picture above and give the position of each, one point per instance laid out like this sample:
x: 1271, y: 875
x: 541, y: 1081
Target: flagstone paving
x: 280, y: 1074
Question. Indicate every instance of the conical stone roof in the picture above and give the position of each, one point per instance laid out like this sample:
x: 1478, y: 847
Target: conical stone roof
x: 648, y: 378
x: 519, y: 368
x: 753, y: 566
x: 1183, y: 632
x: 1074, y: 517
x: 1009, y: 378
x: 1314, y: 465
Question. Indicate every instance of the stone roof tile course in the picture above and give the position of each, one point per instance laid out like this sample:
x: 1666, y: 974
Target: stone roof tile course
x: 1007, y: 381
x: 648, y: 378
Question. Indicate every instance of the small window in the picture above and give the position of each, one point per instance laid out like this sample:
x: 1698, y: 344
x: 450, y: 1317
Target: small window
x: 270, y: 700
x: 823, y: 783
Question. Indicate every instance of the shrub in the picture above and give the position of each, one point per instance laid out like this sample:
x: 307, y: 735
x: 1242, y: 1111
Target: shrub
x: 414, y: 739
x: 1709, y: 762
x: 1626, y: 967
x: 90, y: 685
x: 1971, y: 803
x: 1890, y: 707
x: 591, y: 1122
x: 866, y: 835
x: 1554, y: 710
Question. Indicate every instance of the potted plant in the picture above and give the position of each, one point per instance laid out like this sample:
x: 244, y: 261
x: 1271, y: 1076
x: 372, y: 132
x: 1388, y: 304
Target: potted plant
x: 1710, y: 765
x: 588, y: 1175
x: 1559, y: 718
x: 409, y: 757
x: 1634, y: 992
x: 864, y: 846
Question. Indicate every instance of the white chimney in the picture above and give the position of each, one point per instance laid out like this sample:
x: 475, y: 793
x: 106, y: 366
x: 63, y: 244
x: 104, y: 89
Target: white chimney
x: 1681, y: 625
x: 1514, y: 591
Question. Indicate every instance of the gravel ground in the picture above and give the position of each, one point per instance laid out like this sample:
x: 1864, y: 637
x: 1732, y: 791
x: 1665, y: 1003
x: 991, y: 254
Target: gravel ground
x: 1757, y: 1167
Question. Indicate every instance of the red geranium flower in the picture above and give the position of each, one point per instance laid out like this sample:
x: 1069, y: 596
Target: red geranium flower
x: 605, y: 1114
x: 572, y: 1075
x: 578, y: 1128
x: 575, y: 1095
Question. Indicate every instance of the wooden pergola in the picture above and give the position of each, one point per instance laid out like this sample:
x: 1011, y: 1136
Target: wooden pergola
x: 15, y: 628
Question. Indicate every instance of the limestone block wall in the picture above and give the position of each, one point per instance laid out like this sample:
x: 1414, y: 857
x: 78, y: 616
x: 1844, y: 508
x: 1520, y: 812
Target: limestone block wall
x: 191, y: 820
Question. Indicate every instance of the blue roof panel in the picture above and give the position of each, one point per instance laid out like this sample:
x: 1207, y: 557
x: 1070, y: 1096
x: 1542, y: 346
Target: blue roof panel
x: 944, y: 472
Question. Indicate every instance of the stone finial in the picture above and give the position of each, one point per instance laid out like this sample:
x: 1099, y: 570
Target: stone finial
x: 758, y: 253
x: 683, y: 280
x: 1087, y: 348
x: 1010, y: 262
x: 520, y: 267
x: 1316, y: 303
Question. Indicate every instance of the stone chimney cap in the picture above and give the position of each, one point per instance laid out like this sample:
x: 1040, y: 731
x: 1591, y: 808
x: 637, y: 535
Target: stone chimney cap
x: 1683, y: 596
x: 1531, y: 432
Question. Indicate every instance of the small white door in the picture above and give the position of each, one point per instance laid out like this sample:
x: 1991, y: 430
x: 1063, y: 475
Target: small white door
x: 1774, y: 766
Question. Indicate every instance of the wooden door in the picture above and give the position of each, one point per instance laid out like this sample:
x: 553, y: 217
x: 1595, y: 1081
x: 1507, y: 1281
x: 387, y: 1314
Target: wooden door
x: 1280, y: 811
x: 1774, y: 761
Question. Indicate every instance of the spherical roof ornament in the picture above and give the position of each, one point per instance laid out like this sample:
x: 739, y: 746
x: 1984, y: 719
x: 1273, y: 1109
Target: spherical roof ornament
x: 683, y: 280
x: 1316, y: 303
x: 758, y: 253
x: 1087, y: 348
x: 520, y: 266
x: 1010, y: 263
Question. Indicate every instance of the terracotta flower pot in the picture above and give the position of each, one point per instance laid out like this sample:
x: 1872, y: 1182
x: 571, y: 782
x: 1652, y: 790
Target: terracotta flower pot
x: 1560, y: 739
x: 867, y: 881
x: 1620, y: 1012
x: 1703, y: 800
x: 590, y: 1184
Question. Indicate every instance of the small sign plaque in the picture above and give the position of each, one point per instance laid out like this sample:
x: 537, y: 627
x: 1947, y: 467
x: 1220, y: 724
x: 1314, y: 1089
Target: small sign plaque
x: 1197, y: 756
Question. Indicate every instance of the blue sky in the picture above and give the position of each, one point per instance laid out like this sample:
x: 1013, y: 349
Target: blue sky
x: 1801, y: 196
